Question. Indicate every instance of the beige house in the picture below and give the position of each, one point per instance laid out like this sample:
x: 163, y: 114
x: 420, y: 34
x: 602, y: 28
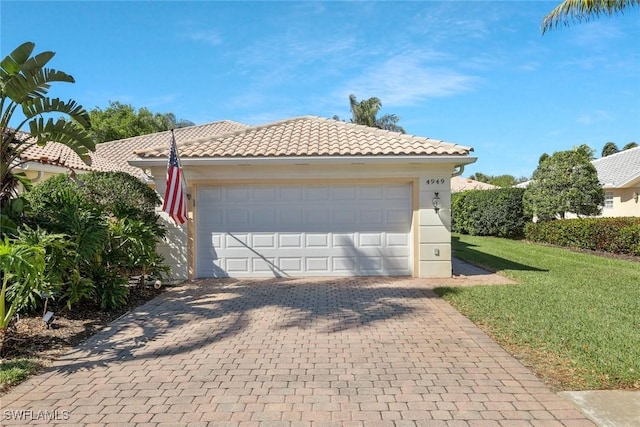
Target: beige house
x: 460, y: 184
x: 311, y: 197
x: 39, y: 163
x: 619, y: 175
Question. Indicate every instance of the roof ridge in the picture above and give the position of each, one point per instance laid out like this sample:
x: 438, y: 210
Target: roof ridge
x: 117, y: 141
x: 615, y: 154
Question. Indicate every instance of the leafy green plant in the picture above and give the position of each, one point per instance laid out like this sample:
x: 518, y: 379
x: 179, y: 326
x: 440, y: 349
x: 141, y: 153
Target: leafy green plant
x: 22, y: 268
x: 615, y: 235
x: 565, y: 182
x: 111, y: 288
x: 24, y: 85
x: 497, y: 212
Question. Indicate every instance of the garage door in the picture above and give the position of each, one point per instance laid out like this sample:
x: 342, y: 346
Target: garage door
x: 303, y: 230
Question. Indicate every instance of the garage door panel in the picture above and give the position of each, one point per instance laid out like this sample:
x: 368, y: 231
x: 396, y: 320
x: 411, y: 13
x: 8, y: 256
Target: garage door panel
x: 303, y: 230
x: 290, y: 240
x: 317, y: 264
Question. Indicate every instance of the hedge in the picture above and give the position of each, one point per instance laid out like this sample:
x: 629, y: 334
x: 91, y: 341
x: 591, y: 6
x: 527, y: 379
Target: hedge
x: 614, y: 235
x: 496, y: 212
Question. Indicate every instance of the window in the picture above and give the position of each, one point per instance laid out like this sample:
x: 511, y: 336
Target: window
x: 608, y: 200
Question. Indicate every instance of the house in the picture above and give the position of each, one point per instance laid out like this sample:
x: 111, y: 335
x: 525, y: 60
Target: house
x: 310, y: 196
x: 40, y: 163
x: 459, y: 184
x: 619, y: 175
x: 119, y: 152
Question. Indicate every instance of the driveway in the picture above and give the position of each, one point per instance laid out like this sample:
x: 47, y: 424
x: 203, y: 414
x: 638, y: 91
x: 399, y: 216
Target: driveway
x: 366, y: 351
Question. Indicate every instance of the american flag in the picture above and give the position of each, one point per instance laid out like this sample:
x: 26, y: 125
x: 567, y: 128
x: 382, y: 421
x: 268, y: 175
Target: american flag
x: 174, y: 197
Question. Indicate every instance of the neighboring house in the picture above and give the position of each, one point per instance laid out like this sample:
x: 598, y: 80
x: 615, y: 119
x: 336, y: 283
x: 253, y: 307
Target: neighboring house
x: 39, y: 163
x: 52, y: 159
x: 121, y: 151
x: 311, y: 197
x: 459, y: 184
x: 619, y: 175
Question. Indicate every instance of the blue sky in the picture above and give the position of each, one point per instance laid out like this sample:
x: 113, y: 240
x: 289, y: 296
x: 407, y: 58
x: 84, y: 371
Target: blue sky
x: 474, y: 73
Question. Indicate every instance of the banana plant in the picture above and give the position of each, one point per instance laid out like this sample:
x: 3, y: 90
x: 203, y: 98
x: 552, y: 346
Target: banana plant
x: 25, y: 107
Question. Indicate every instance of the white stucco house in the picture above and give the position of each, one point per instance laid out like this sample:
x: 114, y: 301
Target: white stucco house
x: 310, y: 196
x: 619, y: 175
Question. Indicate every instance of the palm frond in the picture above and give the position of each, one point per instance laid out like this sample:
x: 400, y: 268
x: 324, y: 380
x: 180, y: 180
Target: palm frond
x: 71, y: 108
x: 33, y: 83
x: 11, y: 64
x: 64, y: 132
x: 570, y: 11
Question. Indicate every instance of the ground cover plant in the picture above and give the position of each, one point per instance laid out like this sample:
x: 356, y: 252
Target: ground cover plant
x: 572, y: 317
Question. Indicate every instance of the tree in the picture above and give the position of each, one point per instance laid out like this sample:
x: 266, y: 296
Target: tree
x: 609, y: 149
x: 630, y: 145
x: 498, y: 180
x: 24, y: 84
x: 119, y: 121
x: 365, y: 113
x: 583, y: 10
x: 565, y: 182
x: 543, y: 157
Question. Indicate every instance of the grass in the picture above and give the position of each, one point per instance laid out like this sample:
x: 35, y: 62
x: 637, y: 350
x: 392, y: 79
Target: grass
x: 16, y: 370
x: 574, y: 318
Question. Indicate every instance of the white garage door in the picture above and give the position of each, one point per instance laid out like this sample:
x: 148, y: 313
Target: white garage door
x: 303, y: 230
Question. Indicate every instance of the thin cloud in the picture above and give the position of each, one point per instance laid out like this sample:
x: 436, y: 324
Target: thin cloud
x: 210, y: 37
x: 402, y: 81
x: 594, y: 117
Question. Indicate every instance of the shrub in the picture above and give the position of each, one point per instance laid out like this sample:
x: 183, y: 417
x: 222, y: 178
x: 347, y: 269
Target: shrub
x: 496, y: 212
x: 110, y: 219
x: 614, y: 235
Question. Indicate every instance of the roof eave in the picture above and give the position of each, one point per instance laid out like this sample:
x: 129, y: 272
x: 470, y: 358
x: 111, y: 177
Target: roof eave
x: 308, y: 160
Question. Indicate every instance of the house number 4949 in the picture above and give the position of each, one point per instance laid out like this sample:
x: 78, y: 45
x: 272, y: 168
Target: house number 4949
x: 434, y: 181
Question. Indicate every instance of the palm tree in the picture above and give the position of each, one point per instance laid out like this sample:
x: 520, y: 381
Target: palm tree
x: 365, y: 112
x: 582, y: 10
x: 24, y: 84
x: 609, y: 149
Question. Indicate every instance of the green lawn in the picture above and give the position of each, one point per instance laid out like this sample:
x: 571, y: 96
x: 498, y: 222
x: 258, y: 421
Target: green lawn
x: 16, y: 370
x: 573, y: 317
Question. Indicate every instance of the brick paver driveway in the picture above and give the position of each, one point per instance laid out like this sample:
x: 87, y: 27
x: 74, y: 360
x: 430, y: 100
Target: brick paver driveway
x: 290, y: 352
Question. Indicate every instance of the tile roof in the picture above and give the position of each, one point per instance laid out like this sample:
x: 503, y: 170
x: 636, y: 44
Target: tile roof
x: 309, y: 136
x: 620, y: 169
x: 459, y: 184
x: 120, y: 151
x: 57, y: 154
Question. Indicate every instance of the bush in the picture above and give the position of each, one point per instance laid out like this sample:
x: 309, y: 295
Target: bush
x: 110, y: 219
x: 496, y: 212
x: 614, y: 235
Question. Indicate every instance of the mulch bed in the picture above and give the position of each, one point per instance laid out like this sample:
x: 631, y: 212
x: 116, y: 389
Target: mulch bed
x: 30, y: 337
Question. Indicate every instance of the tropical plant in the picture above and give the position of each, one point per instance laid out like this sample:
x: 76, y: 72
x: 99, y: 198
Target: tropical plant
x: 110, y: 220
x: 61, y: 257
x: 24, y: 84
x: 365, y: 113
x: 565, y: 182
x: 609, y: 148
x: 583, y: 10
x: 22, y: 268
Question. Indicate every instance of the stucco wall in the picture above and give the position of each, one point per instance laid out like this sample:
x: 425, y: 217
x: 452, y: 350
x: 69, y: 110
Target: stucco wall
x: 624, y: 203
